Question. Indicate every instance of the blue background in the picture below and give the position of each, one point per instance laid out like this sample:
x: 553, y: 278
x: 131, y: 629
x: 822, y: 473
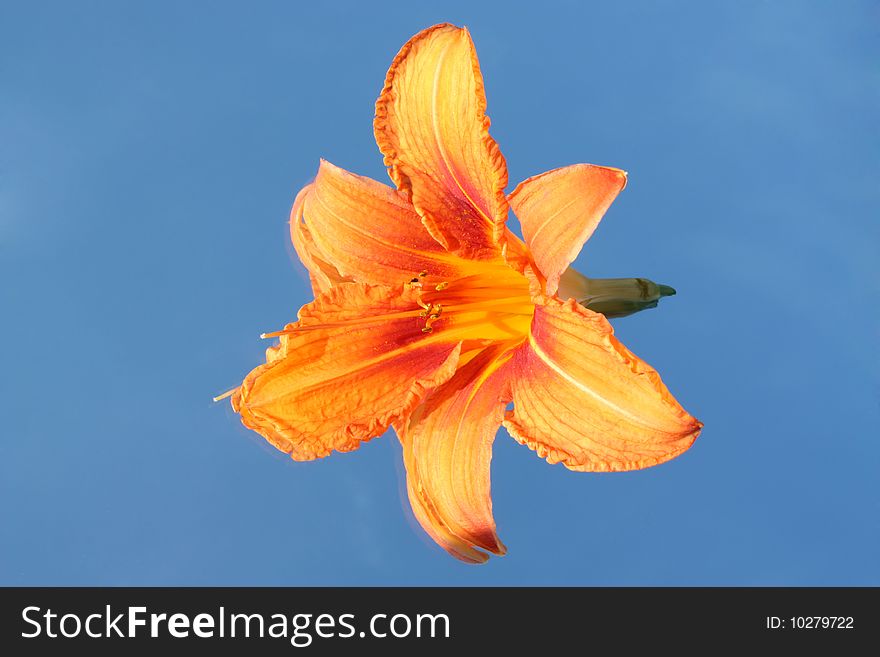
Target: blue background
x: 149, y: 156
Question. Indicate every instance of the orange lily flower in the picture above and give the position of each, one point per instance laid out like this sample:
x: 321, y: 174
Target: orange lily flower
x: 431, y: 317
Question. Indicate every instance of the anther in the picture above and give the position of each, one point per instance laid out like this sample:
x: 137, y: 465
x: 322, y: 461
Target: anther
x: 430, y: 311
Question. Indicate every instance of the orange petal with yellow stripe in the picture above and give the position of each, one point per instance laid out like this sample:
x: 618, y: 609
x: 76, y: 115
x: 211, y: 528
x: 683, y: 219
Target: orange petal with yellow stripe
x: 370, y: 232
x: 322, y: 274
x: 432, y: 128
x: 447, y: 449
x: 560, y: 209
x: 356, y: 361
x: 583, y: 399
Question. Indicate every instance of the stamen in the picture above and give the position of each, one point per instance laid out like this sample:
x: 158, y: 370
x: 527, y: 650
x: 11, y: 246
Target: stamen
x: 430, y: 311
x: 434, y: 314
x: 346, y: 324
x: 226, y: 394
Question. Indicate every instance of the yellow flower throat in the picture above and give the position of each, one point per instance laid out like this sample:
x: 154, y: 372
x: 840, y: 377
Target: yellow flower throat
x: 490, y: 304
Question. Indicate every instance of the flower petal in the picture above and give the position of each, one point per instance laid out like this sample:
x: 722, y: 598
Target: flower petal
x: 370, y: 232
x: 447, y: 447
x: 582, y: 398
x: 355, y: 362
x: 432, y: 128
x: 560, y: 209
x: 322, y: 274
